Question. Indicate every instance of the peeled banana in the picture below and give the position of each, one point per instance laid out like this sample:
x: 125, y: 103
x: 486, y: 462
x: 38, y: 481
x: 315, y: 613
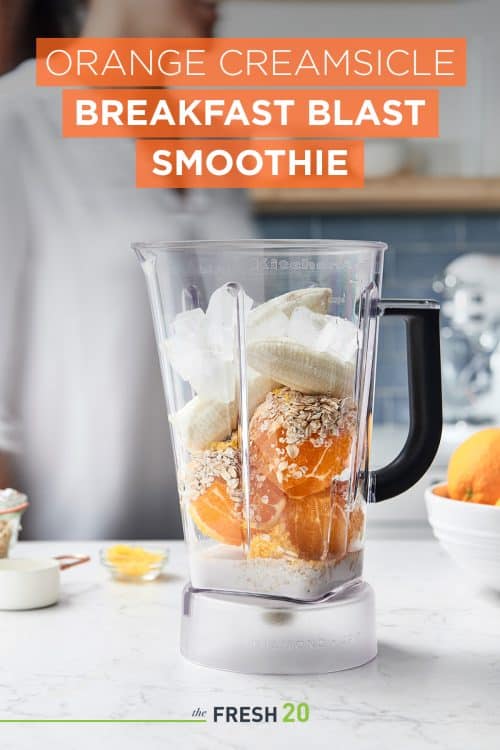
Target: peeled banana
x: 301, y: 368
x: 204, y: 421
x: 317, y: 299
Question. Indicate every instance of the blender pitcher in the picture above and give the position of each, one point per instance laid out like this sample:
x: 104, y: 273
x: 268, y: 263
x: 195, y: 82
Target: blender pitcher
x: 267, y: 351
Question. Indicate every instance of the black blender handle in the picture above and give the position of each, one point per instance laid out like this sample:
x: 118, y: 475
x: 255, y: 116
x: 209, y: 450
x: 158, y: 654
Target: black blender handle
x: 424, y: 390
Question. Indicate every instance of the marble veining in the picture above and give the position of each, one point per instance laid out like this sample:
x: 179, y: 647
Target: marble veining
x: 110, y: 650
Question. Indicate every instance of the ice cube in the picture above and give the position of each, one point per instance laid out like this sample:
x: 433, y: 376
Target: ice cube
x: 339, y: 337
x: 221, y: 339
x: 188, y: 338
x: 274, y: 325
x: 214, y: 378
x: 190, y: 324
x: 184, y: 358
x: 324, y: 333
x: 221, y: 320
x: 305, y: 326
x: 201, y: 346
x: 221, y: 308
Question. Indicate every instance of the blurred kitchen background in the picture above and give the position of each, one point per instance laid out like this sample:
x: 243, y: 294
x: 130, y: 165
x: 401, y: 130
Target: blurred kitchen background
x: 435, y: 202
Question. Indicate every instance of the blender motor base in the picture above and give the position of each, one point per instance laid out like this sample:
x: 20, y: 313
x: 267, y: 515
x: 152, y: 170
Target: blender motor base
x: 255, y: 635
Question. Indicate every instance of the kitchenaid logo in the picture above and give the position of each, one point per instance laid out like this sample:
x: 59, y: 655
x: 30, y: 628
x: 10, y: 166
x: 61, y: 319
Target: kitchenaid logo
x: 295, y: 264
x: 299, y: 645
x: 282, y: 264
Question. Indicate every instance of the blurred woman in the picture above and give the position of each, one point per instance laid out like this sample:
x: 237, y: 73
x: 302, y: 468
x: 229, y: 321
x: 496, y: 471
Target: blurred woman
x: 83, y: 426
x: 22, y: 21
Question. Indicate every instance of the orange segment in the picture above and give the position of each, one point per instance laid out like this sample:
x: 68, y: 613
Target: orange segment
x: 355, y: 517
x: 339, y: 536
x: 302, y: 532
x: 356, y: 527
x: 267, y: 502
x: 308, y: 521
x: 308, y: 473
x: 218, y: 516
x: 301, y: 442
x: 215, y: 500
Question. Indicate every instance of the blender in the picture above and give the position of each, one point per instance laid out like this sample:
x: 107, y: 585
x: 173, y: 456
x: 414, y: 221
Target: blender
x: 267, y: 351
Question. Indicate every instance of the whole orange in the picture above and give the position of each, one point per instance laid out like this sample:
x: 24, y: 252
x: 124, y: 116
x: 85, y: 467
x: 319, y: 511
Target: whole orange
x: 474, y: 468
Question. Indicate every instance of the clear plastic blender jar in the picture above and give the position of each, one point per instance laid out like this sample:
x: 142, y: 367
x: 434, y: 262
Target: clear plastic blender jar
x: 268, y: 352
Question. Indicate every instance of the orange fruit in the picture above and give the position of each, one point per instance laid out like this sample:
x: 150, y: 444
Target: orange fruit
x: 441, y: 490
x: 218, y: 516
x: 301, y: 442
x: 308, y: 522
x: 356, y: 525
x: 302, y: 530
x: 218, y: 509
x: 339, y: 536
x: 267, y: 502
x: 356, y: 516
x: 212, y: 492
x: 474, y: 468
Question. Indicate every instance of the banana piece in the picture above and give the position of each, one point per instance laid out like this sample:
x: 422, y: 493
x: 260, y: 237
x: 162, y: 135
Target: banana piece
x: 204, y: 421
x: 316, y: 299
x: 301, y: 368
x: 258, y: 387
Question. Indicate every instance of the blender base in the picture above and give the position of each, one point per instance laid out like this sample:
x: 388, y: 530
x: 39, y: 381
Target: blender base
x: 258, y: 635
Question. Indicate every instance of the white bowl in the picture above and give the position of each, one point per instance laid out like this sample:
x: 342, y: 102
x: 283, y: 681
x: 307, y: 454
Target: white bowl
x: 470, y: 533
x: 28, y: 584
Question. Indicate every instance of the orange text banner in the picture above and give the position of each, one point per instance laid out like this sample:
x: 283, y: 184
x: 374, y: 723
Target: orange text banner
x: 248, y: 163
x: 365, y: 62
x: 135, y: 113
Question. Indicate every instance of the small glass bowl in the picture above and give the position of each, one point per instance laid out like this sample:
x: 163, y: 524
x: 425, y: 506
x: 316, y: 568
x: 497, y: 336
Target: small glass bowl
x: 134, y: 571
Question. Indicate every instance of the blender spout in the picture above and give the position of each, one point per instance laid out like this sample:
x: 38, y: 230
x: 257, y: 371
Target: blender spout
x: 235, y: 289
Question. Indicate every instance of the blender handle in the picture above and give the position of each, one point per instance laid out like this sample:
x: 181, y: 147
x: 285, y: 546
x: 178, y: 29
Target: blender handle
x: 425, y: 398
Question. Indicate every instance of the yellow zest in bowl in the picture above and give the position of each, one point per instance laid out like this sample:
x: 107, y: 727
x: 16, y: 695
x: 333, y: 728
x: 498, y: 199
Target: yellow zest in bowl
x: 135, y: 562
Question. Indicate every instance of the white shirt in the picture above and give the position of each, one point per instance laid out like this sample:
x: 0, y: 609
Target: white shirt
x: 80, y: 390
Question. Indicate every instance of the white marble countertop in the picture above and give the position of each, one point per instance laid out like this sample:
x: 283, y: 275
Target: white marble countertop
x: 110, y: 651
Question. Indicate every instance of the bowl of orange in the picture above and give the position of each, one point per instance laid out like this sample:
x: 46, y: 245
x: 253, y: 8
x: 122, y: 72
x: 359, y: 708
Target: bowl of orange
x: 464, y: 512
